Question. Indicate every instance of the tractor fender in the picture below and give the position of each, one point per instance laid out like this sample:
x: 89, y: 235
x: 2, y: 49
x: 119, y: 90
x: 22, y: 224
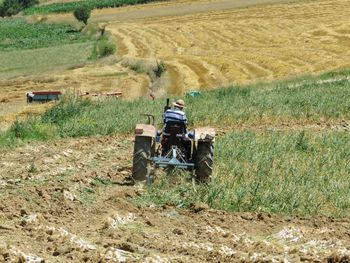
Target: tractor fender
x: 204, y: 134
x: 145, y: 130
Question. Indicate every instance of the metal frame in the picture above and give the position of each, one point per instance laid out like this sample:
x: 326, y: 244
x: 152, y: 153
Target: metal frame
x: 172, y: 158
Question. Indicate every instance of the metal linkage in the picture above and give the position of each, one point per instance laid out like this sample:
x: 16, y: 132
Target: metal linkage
x: 172, y: 158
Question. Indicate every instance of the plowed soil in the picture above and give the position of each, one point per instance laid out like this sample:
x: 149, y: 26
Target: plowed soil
x: 71, y: 201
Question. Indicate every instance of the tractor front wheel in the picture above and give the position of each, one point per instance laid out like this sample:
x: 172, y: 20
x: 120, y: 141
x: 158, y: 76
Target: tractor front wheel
x: 204, y: 161
x: 142, y: 153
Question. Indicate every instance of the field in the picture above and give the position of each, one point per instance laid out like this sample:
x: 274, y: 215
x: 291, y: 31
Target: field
x: 70, y: 6
x: 19, y: 34
x: 29, y: 48
x: 246, y: 45
x: 273, y: 170
x: 275, y: 82
x: 21, y: 62
x: 279, y: 156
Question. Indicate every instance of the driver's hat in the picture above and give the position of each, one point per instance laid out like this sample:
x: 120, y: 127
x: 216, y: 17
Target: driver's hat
x: 179, y: 103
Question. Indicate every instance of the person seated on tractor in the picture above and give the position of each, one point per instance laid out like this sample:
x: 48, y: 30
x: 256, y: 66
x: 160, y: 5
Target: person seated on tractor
x: 175, y: 129
x: 176, y: 116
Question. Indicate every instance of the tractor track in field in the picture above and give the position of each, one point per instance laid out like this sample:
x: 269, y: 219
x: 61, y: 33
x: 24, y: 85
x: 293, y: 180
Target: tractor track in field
x: 76, y: 205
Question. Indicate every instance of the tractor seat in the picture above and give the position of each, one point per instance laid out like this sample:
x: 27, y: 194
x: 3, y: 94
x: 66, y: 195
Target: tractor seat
x: 174, y: 128
x: 172, y: 135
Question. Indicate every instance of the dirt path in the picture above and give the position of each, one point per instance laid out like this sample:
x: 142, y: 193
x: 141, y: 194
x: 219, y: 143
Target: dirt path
x: 69, y: 201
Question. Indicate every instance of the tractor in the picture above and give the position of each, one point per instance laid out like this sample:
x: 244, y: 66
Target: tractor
x: 172, y: 147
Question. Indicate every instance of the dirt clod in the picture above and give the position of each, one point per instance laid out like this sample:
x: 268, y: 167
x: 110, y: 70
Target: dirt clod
x: 198, y: 207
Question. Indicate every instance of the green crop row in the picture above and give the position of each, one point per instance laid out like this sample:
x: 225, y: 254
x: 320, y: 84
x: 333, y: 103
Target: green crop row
x: 286, y: 172
x: 92, y: 4
x: 18, y: 34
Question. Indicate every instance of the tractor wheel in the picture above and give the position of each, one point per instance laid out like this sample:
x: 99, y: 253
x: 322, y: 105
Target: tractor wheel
x: 142, y: 153
x: 204, y: 162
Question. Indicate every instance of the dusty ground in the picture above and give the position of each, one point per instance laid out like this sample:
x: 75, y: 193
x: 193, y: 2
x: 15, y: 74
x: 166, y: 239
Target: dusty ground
x: 70, y: 201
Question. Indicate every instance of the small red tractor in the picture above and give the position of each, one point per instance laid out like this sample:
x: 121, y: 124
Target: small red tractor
x: 172, y: 148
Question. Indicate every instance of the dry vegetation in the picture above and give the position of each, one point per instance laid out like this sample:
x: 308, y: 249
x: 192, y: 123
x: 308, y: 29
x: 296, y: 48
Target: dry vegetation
x: 242, y: 46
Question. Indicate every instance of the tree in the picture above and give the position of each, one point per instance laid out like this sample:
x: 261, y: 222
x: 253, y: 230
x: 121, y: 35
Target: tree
x: 13, y: 7
x: 82, y: 14
x: 28, y: 3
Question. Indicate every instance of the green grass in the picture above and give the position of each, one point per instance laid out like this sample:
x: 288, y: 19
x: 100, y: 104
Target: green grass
x: 227, y: 107
x: 275, y: 172
x: 34, y: 61
x: 36, y: 48
x: 92, y: 4
x: 17, y: 34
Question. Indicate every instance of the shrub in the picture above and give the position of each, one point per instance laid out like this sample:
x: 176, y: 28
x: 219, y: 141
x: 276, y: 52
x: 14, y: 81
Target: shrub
x: 28, y: 3
x: 160, y: 69
x: 10, y: 8
x: 82, y: 14
x: 32, y: 129
x: 13, y: 7
x: 105, y: 48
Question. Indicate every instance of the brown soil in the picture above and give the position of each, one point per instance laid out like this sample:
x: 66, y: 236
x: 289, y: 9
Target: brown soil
x: 55, y: 207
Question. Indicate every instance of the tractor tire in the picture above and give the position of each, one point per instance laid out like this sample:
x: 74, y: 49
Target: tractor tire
x: 204, y: 161
x: 142, y: 153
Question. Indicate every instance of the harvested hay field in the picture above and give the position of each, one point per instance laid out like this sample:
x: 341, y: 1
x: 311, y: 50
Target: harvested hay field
x: 259, y: 43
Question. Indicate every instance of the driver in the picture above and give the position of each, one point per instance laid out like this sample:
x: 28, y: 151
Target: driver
x: 176, y: 114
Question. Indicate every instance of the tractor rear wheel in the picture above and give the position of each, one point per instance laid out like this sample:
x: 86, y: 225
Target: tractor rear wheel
x: 204, y: 161
x: 142, y: 153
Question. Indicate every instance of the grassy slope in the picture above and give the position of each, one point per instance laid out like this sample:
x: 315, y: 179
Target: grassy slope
x: 16, y: 34
x: 291, y: 172
x: 35, y: 61
x: 300, y: 101
x: 36, y: 48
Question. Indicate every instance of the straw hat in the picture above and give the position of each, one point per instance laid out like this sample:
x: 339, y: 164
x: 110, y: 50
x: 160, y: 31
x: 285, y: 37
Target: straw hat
x: 179, y: 103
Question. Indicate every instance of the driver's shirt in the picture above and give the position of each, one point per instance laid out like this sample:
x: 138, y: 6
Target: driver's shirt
x: 175, y: 115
